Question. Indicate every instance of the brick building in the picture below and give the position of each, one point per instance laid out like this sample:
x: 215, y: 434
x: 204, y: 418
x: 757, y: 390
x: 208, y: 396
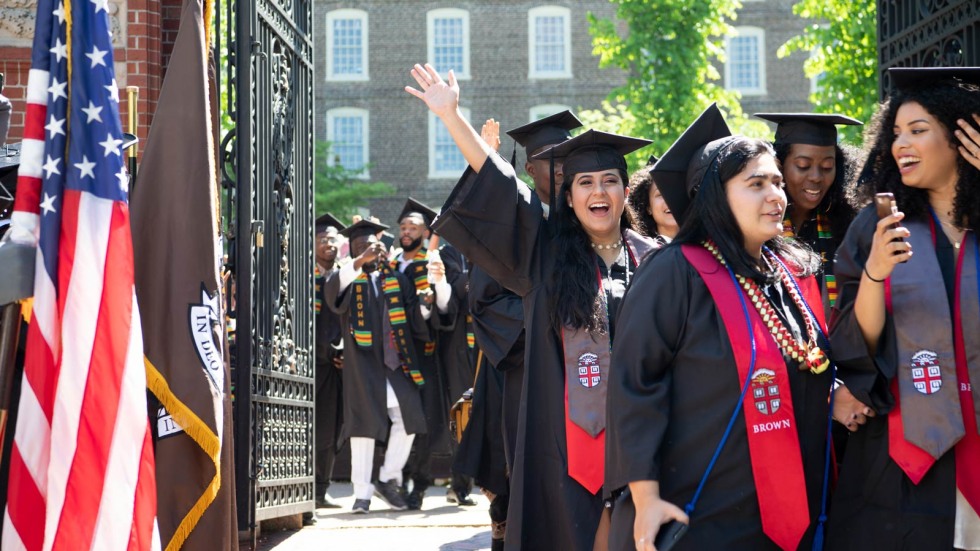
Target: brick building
x: 143, y: 35
x: 517, y: 60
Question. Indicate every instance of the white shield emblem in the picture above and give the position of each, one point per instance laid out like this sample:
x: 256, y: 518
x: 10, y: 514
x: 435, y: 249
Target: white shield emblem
x: 927, y: 378
x: 588, y: 370
x: 765, y: 391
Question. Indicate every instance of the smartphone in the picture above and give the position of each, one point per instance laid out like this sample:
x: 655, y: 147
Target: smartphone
x: 886, y: 206
x: 669, y: 534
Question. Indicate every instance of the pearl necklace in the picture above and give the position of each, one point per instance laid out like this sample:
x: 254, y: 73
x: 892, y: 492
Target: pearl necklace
x: 809, y: 355
x: 609, y: 247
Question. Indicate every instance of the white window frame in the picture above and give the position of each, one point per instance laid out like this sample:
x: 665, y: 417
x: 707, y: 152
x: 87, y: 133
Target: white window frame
x: 449, y: 13
x: 539, y: 112
x: 364, y: 115
x: 347, y: 14
x: 434, y: 123
x: 760, y: 34
x: 548, y: 11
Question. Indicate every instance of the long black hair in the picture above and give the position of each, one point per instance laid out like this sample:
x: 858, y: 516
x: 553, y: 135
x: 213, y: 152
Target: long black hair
x: 639, y: 199
x: 711, y: 217
x: 947, y: 101
x: 575, y: 296
x: 834, y: 205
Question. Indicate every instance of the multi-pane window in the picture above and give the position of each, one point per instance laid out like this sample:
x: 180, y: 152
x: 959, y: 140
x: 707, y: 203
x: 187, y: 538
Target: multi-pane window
x: 445, y: 159
x: 347, y: 43
x: 449, y: 41
x: 549, y: 36
x: 745, y: 69
x: 347, y: 132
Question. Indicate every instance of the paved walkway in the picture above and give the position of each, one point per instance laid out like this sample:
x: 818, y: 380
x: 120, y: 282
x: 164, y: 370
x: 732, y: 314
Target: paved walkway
x: 439, y: 526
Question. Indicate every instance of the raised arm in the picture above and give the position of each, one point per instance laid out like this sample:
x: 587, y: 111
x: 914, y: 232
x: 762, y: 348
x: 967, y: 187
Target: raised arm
x: 442, y: 98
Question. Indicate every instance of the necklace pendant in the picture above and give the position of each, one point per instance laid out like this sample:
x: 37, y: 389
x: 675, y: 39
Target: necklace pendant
x: 817, y: 360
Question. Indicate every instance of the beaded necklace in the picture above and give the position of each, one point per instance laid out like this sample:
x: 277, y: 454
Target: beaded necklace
x: 807, y: 354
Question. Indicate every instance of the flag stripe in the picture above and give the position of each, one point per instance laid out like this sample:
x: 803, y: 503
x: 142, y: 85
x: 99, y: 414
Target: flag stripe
x: 34, y: 121
x: 129, y: 443
x: 28, y: 515
x: 11, y: 539
x: 31, y: 438
x: 102, y: 394
x: 83, y: 270
x: 142, y: 532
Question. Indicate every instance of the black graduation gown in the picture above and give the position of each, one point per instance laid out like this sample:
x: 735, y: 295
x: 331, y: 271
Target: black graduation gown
x: 434, y: 402
x: 876, y: 506
x: 457, y: 359
x: 481, y: 451
x: 498, y: 324
x: 328, y: 384
x: 673, y: 387
x: 365, y: 394
x: 496, y: 221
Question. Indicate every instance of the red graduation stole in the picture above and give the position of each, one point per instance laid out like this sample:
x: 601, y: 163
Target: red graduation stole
x: 770, y: 424
x: 913, y: 460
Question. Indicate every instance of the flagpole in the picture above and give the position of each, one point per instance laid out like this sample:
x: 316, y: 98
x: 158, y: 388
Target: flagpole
x: 133, y: 93
x: 9, y: 331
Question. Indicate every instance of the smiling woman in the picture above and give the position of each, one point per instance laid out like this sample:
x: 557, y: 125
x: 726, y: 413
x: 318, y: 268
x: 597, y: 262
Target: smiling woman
x: 685, y: 351
x: 906, y: 332
x: 571, y: 272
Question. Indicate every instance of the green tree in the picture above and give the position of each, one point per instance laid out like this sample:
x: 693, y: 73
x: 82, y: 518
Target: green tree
x: 843, y: 39
x: 668, y: 54
x: 340, y: 190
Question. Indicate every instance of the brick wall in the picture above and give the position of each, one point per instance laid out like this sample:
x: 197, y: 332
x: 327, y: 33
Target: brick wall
x: 144, y: 40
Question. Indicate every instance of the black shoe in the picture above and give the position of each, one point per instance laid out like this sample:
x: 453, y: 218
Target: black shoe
x: 361, y: 506
x: 453, y: 497
x: 388, y: 492
x: 414, y: 500
x: 309, y: 519
x: 325, y: 502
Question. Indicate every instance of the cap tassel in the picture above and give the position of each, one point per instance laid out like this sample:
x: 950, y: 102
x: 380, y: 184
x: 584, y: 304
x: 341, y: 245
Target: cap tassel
x: 551, y: 183
x: 513, y: 157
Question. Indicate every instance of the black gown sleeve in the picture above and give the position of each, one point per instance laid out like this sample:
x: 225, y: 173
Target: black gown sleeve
x: 498, y: 319
x: 494, y: 219
x: 650, y: 328
x: 333, y: 298
x: 456, y: 277
x: 865, y: 374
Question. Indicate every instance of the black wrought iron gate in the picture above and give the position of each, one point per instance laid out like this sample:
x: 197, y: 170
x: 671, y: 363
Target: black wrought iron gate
x: 268, y: 215
x: 927, y: 33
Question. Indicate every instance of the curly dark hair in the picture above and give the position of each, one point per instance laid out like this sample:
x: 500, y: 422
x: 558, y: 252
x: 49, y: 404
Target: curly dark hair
x: 639, y: 199
x: 575, y: 297
x: 834, y: 205
x: 945, y: 100
x: 711, y: 217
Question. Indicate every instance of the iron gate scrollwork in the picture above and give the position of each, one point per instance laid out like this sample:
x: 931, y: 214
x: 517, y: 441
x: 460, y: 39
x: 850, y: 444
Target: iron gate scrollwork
x: 268, y: 211
x: 927, y: 33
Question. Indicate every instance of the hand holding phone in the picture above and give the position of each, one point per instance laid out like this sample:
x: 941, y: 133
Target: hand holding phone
x: 886, y: 206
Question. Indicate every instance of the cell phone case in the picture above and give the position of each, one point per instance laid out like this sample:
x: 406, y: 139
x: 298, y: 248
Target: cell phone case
x: 669, y: 534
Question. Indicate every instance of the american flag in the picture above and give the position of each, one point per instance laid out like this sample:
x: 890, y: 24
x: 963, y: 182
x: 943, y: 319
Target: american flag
x: 82, y: 466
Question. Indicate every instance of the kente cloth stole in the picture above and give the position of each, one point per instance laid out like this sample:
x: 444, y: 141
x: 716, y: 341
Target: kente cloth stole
x: 936, y: 406
x: 317, y: 287
x: 470, y: 336
x: 770, y: 423
x: 587, y: 357
x: 824, y: 244
x: 418, y: 271
x: 400, y: 335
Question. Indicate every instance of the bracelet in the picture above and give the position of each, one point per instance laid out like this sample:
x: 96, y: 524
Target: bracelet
x: 882, y: 280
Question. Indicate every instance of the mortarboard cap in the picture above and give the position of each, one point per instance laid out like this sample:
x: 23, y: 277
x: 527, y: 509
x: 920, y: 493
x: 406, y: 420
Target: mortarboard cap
x: 362, y: 227
x: 593, y: 150
x: 913, y: 77
x: 806, y: 128
x: 652, y: 160
x: 682, y: 168
x: 328, y: 221
x: 421, y: 210
x: 547, y: 131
